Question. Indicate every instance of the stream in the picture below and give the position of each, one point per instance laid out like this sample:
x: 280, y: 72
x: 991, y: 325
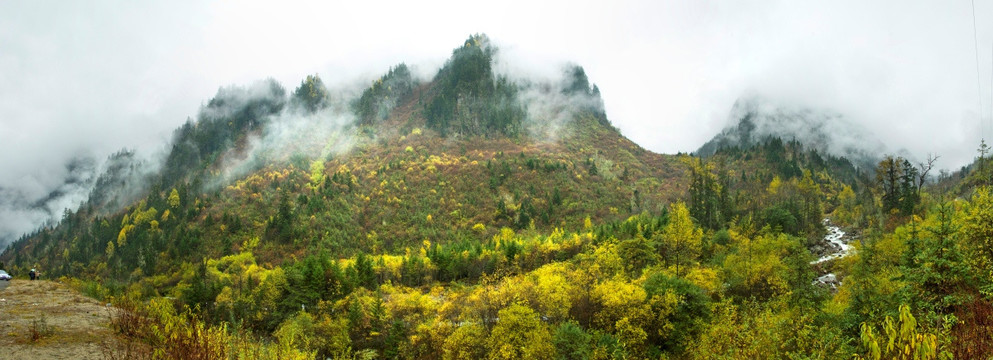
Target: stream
x: 834, y: 243
x: 834, y: 246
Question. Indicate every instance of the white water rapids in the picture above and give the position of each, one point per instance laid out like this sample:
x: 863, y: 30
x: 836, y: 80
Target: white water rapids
x: 836, y: 240
x: 834, y: 236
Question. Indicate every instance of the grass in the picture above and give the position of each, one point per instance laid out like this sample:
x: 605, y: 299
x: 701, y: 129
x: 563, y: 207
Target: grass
x: 40, y: 329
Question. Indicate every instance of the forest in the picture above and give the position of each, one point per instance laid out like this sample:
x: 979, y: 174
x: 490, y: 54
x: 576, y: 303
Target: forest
x: 451, y: 231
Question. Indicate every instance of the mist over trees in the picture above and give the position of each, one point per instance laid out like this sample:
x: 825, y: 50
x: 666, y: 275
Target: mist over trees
x: 378, y: 100
x: 470, y: 99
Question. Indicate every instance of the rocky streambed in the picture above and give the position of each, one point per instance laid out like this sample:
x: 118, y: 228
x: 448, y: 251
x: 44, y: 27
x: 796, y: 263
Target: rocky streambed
x: 834, y: 245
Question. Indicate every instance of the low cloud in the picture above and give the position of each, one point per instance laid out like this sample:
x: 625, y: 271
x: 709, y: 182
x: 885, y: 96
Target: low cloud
x: 552, y: 104
x: 23, y: 209
x: 295, y: 132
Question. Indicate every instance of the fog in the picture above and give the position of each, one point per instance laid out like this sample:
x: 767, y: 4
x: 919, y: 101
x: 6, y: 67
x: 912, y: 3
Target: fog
x: 79, y: 81
x: 295, y: 131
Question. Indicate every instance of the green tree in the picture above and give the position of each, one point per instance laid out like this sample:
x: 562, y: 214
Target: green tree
x: 780, y: 219
x: 896, y: 181
x: 938, y: 271
x: 378, y: 100
x: 888, y: 182
x: 681, y: 322
x: 571, y: 342
x: 637, y: 254
x: 811, y: 208
x: 707, y: 196
x: 312, y: 95
x: 365, y: 275
x: 470, y: 99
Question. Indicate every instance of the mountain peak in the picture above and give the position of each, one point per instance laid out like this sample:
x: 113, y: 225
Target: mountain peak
x: 753, y: 119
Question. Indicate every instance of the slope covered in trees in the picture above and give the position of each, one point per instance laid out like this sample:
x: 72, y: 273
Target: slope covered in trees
x: 475, y: 215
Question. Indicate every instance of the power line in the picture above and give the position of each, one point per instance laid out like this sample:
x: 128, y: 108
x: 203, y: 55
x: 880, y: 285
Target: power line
x: 979, y: 85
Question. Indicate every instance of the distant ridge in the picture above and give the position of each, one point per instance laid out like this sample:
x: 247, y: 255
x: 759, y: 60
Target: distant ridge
x: 754, y: 120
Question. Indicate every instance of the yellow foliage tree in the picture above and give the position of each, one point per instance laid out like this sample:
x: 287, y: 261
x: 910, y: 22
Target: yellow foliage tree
x: 174, y: 199
x: 681, y: 238
x: 296, y: 333
x: 465, y: 343
x: 519, y: 334
x: 554, y: 294
x: 774, y: 185
x: 316, y: 174
x: 902, y: 340
x: 122, y: 236
x: 331, y: 338
x: 618, y: 299
x: 848, y: 210
x: 757, y: 267
x: 632, y: 337
x: 979, y: 230
x: 110, y: 249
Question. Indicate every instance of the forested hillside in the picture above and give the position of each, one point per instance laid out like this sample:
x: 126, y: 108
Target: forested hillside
x: 477, y: 215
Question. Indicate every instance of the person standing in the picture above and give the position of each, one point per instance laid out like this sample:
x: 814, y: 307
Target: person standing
x: 33, y: 274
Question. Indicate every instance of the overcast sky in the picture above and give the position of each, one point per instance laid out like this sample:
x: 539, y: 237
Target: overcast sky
x: 88, y: 78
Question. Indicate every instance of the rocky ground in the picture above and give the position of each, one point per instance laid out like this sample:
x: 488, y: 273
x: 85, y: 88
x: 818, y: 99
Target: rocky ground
x: 46, y: 320
x: 834, y: 245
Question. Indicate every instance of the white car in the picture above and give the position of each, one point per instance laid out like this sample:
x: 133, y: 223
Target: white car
x: 4, y: 279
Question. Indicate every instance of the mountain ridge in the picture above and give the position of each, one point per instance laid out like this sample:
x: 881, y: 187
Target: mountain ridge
x: 754, y: 119
x: 309, y: 147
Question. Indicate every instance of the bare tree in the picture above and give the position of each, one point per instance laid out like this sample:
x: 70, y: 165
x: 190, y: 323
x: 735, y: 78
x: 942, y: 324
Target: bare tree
x: 925, y: 169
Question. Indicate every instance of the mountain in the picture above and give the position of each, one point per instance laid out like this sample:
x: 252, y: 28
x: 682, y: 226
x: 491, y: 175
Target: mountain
x: 478, y: 214
x: 449, y: 160
x: 754, y: 120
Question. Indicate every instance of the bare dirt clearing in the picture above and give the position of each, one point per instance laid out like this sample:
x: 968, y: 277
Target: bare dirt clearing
x: 46, y: 320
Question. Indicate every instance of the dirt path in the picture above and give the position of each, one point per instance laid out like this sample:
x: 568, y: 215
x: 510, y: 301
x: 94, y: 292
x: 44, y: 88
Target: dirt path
x: 70, y: 325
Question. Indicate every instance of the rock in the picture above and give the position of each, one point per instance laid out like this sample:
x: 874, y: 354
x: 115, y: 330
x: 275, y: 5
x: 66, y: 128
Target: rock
x: 829, y: 281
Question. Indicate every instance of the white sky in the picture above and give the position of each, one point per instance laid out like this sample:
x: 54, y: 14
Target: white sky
x: 93, y: 77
